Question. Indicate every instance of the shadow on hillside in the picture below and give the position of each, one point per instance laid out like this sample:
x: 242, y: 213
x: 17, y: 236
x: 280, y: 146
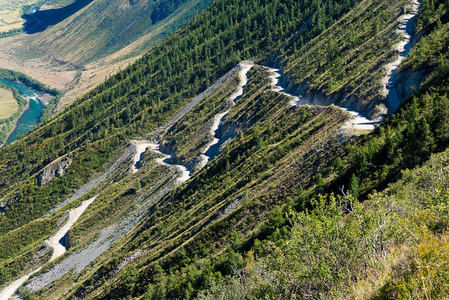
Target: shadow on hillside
x: 41, y: 20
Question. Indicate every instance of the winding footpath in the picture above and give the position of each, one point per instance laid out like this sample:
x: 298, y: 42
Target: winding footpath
x: 405, y: 30
x: 54, y: 242
x: 205, y: 156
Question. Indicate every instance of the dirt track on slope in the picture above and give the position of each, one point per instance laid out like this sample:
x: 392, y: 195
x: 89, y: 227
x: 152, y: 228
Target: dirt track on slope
x: 74, y: 215
x: 405, y: 30
x: 55, y: 243
x: 357, y: 121
x: 218, y: 118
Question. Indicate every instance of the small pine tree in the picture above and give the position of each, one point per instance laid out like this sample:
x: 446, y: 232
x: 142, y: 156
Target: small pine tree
x: 338, y: 164
x: 354, y: 186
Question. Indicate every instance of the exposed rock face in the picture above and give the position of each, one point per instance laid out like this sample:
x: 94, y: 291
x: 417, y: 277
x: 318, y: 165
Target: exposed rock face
x: 56, y: 169
x: 407, y: 83
x: 3, y: 205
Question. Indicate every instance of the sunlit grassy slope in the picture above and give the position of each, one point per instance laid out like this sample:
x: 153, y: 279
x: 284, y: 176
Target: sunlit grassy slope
x: 8, y: 103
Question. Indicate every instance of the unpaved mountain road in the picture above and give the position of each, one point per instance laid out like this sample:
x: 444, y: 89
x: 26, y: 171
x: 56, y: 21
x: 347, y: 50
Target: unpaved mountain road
x: 357, y: 121
x: 141, y: 147
x: 185, y: 173
x: 54, y: 242
x: 9, y: 291
x: 80, y: 260
x: 405, y: 29
x: 205, y: 156
x: 74, y: 215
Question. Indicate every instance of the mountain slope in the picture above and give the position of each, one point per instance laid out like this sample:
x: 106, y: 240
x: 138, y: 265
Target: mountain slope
x: 73, y: 49
x: 126, y: 100
x: 148, y: 236
x: 105, y: 27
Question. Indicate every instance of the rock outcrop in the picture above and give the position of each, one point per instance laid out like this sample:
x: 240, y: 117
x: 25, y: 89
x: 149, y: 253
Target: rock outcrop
x: 56, y: 169
x: 3, y: 205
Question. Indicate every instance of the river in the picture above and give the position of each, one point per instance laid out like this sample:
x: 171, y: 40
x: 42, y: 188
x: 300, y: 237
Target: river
x: 32, y: 115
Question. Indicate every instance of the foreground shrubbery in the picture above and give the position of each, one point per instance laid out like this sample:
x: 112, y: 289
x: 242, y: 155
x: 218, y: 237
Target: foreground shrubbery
x: 327, y: 251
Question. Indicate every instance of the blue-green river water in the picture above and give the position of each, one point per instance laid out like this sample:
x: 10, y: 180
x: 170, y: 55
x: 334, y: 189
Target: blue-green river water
x: 31, y: 116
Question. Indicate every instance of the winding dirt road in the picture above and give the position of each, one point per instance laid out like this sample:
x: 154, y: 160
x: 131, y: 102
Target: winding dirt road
x: 74, y: 215
x: 141, y: 147
x: 7, y: 293
x: 185, y: 173
x: 218, y: 118
x: 405, y: 30
x: 54, y: 242
x: 357, y: 121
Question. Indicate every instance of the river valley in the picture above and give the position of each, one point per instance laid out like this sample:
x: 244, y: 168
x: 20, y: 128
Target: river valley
x: 32, y: 114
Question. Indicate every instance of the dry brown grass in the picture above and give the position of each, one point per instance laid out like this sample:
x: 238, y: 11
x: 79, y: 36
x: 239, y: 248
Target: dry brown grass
x: 20, y: 53
x: 10, y: 12
x: 368, y: 288
x: 10, y: 20
x: 15, y: 55
x: 8, y: 104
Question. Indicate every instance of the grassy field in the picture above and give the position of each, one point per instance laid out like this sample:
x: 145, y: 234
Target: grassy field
x: 8, y: 104
x: 11, y: 11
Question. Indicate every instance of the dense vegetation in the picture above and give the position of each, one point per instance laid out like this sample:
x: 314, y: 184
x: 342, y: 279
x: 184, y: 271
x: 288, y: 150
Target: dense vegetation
x: 135, y: 100
x: 27, y: 80
x: 245, y: 176
x: 11, y: 32
x: 138, y: 99
x: 392, y: 246
x: 420, y: 128
x: 251, y: 224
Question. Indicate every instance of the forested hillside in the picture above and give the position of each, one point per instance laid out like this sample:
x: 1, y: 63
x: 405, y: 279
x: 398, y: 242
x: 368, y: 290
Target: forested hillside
x: 345, y: 60
x: 284, y: 200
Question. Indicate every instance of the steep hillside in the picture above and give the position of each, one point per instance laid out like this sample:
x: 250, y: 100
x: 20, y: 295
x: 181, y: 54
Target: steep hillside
x: 105, y: 27
x: 129, y: 104
x: 347, y: 62
x: 74, y: 47
x: 392, y: 246
x: 222, y: 202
